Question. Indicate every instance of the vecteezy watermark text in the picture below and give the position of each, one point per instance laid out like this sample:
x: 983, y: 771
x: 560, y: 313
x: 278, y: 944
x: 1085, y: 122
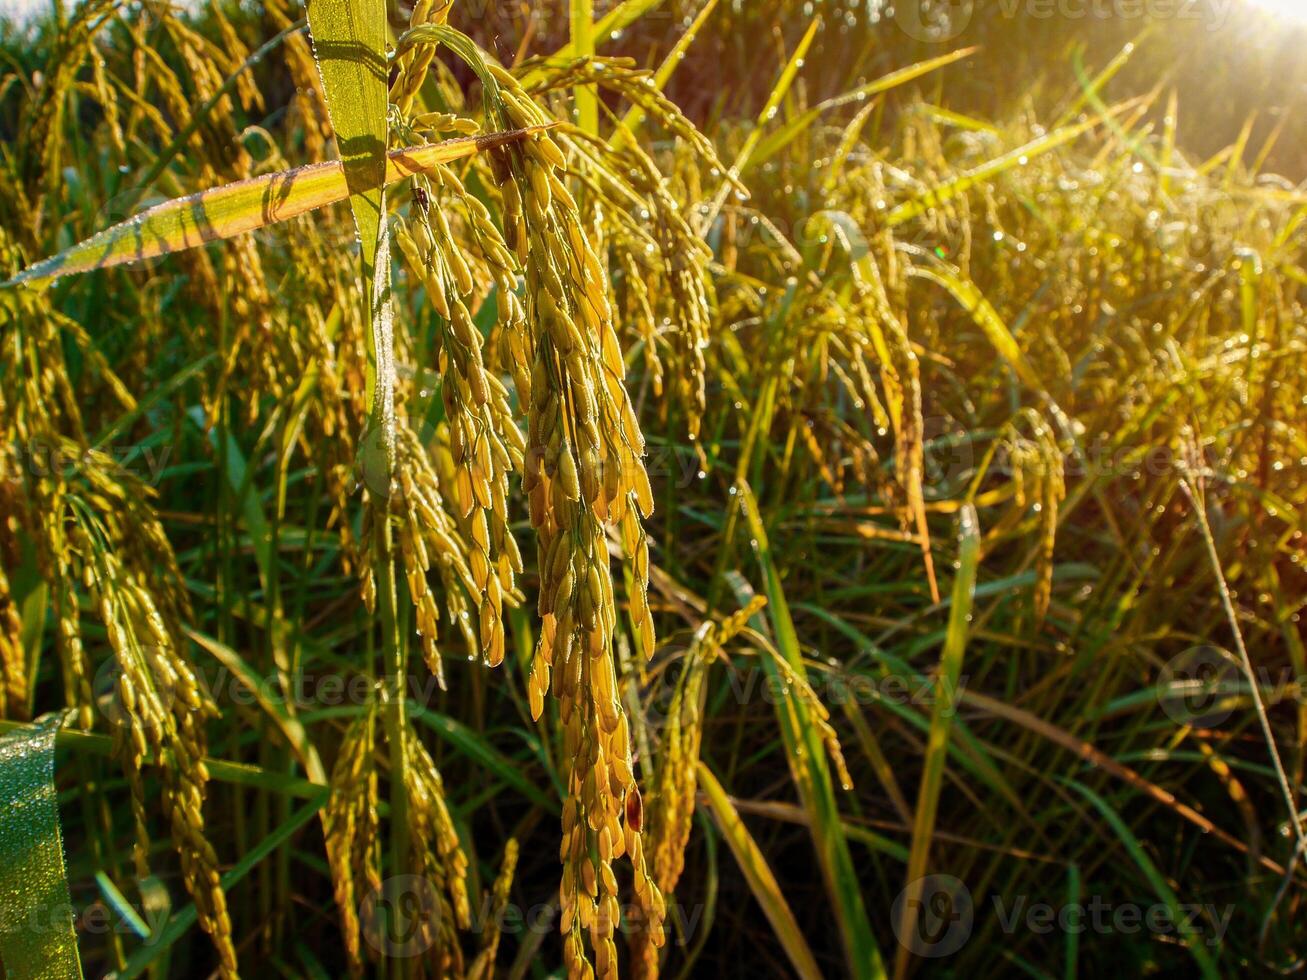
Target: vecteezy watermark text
x: 40, y: 459
x: 935, y: 916
x: 943, y: 20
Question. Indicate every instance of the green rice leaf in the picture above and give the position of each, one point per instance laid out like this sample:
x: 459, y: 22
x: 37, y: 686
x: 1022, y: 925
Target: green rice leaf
x: 180, y: 924
x: 271, y: 701
x: 36, y: 915
x: 788, y: 133
x: 634, y: 117
x: 811, y: 772
x: 941, y: 721
x: 1194, y: 940
x: 963, y: 182
x: 985, y: 317
x: 349, y: 40
x: 782, y: 87
x: 583, y: 44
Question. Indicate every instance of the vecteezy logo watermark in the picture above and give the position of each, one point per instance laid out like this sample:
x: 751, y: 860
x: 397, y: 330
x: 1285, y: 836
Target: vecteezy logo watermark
x: 933, y: 20
x: 1206, y: 922
x: 400, y: 918
x: 943, y: 20
x: 1200, y: 687
x: 933, y: 916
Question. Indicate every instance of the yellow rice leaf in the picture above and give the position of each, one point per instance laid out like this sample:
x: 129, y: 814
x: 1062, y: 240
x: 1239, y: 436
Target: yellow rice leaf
x: 234, y: 209
x: 985, y: 317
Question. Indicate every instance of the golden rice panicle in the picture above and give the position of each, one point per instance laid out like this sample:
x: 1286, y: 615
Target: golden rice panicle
x: 56, y: 556
x: 583, y: 472
x: 352, y: 835
x: 482, y: 435
x: 41, y: 500
x: 881, y: 284
x: 72, y: 654
x: 307, y: 113
x: 164, y: 710
x: 641, y: 316
x: 463, y: 551
x: 483, y: 967
x: 820, y: 718
x: 110, y: 540
x: 665, y: 263
x: 13, y: 660
x: 1039, y: 484
x: 413, y: 65
x: 350, y: 826
x: 1052, y: 493
x: 670, y: 811
x: 439, y: 859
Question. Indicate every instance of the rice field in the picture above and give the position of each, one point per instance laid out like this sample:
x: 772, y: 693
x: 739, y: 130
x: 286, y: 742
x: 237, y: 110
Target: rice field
x: 669, y: 487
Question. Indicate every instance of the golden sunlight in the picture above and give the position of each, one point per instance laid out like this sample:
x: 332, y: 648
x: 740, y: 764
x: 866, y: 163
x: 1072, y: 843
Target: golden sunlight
x: 1285, y: 8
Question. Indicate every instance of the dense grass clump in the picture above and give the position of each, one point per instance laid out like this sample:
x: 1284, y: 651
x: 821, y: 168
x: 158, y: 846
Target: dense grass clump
x: 770, y: 494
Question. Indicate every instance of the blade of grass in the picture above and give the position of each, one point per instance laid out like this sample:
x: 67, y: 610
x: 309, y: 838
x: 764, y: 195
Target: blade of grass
x: 1134, y: 146
x: 941, y: 721
x: 179, y: 924
x: 615, y: 21
x: 807, y: 757
x: 157, y: 395
x: 121, y: 906
x: 474, y: 745
x: 984, y: 315
x: 270, y: 701
x: 1071, y: 959
x: 769, y: 110
x: 1169, y: 124
x: 762, y: 882
x: 1194, y: 940
x: 349, y: 41
x: 1101, y: 760
x: 1198, y: 499
x: 1092, y: 88
x: 236, y: 773
x: 581, y: 14
x: 634, y: 117
x: 795, y: 127
x: 963, y: 182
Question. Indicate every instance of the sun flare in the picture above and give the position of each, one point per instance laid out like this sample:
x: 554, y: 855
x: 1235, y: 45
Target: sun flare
x: 1296, y: 9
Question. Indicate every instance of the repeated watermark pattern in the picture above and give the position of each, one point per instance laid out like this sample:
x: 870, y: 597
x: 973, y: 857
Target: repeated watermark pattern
x: 309, y: 691
x: 399, y: 919
x: 1201, y: 687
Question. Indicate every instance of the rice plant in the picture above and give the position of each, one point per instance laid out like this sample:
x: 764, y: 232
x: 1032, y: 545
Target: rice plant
x: 464, y: 466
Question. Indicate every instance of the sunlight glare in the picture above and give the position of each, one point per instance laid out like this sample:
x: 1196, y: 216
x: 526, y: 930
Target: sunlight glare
x: 1295, y: 9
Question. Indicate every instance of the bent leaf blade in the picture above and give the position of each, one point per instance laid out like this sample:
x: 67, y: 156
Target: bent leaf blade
x: 241, y: 207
